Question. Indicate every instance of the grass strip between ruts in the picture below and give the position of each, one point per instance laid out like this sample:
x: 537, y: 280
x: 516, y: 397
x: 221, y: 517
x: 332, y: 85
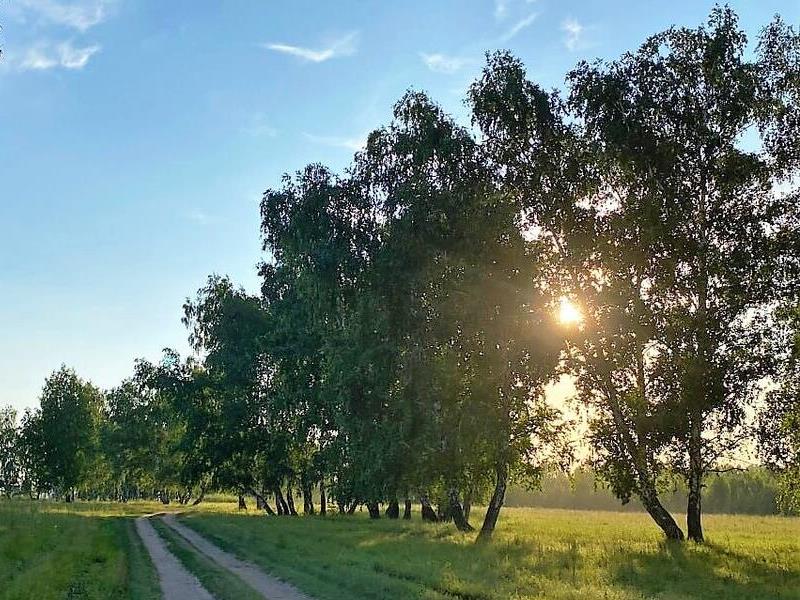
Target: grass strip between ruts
x: 142, y: 577
x: 220, y: 582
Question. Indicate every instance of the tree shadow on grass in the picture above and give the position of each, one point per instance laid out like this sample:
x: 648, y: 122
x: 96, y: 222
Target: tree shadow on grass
x: 451, y: 565
x: 488, y: 571
x: 693, y: 572
x: 367, y: 559
x: 363, y: 559
x: 672, y: 571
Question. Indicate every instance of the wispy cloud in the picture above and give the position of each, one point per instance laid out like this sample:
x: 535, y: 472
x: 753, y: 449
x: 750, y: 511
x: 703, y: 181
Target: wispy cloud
x: 44, y: 56
x: 76, y: 58
x: 441, y: 63
x: 503, y: 8
x: 500, y: 9
x: 573, y: 34
x: 200, y: 217
x: 259, y: 126
x: 519, y: 26
x: 344, y: 46
x: 354, y: 143
x: 78, y: 14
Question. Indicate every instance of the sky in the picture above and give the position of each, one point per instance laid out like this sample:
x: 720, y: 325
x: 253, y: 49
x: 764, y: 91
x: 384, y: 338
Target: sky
x: 137, y: 136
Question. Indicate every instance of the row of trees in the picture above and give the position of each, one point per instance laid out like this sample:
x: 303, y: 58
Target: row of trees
x: 404, y: 333
x: 109, y: 445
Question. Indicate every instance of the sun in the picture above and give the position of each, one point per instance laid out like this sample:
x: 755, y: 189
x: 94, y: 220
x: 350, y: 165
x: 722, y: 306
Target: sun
x: 568, y: 312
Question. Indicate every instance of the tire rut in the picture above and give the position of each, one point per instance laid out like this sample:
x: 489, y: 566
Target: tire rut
x: 176, y: 582
x: 268, y: 586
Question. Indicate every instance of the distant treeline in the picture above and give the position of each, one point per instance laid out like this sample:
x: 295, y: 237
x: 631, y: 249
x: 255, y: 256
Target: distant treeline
x: 753, y: 491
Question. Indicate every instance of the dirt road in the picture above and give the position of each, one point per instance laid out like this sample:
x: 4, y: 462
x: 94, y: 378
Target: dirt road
x: 268, y: 586
x: 176, y: 582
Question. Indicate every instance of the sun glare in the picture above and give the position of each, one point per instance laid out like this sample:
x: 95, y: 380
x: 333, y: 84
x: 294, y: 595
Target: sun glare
x: 568, y: 312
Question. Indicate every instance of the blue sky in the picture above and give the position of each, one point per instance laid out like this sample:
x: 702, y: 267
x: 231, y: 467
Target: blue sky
x: 136, y: 138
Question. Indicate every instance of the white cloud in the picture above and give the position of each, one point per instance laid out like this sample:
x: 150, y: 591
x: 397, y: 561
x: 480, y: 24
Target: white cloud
x: 441, y: 63
x: 79, y: 14
x: 44, y: 56
x: 344, y: 46
x: 573, y: 34
x: 338, y: 142
x: 500, y: 9
x: 37, y: 59
x: 518, y: 26
x: 76, y: 58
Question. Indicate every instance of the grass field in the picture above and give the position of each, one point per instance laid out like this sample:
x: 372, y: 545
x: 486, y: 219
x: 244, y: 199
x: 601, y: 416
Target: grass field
x: 87, y: 550
x: 536, y: 553
x: 84, y: 550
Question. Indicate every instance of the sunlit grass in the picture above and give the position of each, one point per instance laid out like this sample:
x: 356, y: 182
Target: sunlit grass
x: 536, y: 553
x: 83, y: 550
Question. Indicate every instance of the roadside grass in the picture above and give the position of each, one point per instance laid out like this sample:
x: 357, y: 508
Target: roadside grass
x: 83, y: 550
x: 221, y: 583
x: 99, y: 509
x: 535, y: 554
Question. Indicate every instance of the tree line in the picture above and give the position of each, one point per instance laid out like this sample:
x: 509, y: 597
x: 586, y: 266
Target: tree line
x: 751, y: 491
x: 404, y: 333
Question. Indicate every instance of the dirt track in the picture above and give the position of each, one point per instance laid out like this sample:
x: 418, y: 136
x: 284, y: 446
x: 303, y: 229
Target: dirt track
x: 268, y: 586
x: 176, y: 582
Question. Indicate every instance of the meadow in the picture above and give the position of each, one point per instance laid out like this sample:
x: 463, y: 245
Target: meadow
x: 52, y: 550
x: 89, y: 550
x: 536, y: 553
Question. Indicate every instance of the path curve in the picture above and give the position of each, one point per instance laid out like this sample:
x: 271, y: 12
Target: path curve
x: 268, y: 586
x: 176, y: 582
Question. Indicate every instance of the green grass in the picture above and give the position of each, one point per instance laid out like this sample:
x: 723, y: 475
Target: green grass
x: 84, y: 550
x: 90, y: 551
x: 536, y: 553
x: 222, y: 584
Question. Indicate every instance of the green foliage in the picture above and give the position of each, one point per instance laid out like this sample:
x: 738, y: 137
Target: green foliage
x: 227, y: 326
x: 410, y: 315
x: 10, y: 467
x: 674, y: 239
x: 64, y: 434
